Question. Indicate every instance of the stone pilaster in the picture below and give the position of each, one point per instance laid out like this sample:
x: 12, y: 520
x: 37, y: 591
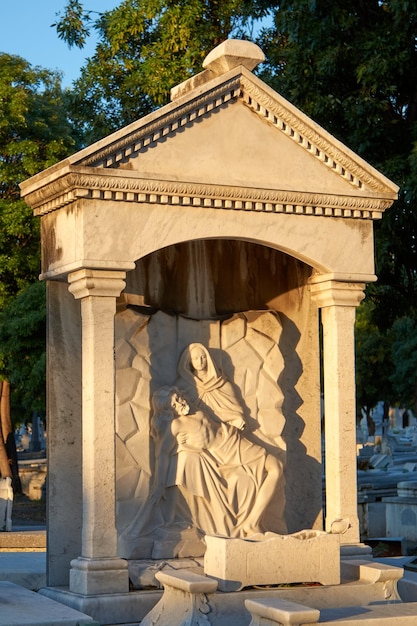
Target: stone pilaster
x: 98, y: 569
x: 338, y: 301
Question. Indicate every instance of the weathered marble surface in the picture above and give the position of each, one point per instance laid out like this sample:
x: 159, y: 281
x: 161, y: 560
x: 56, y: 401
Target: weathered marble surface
x: 231, y: 162
x: 270, y: 559
x: 147, y: 356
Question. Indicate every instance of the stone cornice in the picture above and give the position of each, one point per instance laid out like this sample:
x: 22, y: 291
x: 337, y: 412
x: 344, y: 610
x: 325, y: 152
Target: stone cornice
x: 95, y: 172
x: 102, y: 185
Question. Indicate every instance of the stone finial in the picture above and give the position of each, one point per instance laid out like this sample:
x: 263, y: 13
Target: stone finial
x: 231, y: 53
x: 226, y: 56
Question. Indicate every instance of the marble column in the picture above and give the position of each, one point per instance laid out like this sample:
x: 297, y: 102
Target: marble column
x: 338, y: 301
x: 98, y: 570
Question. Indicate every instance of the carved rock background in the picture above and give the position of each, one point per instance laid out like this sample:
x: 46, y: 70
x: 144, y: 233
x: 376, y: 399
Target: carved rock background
x: 244, y: 347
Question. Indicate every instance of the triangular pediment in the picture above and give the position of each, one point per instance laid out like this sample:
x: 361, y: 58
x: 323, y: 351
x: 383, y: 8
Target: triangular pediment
x: 235, y: 147
x: 233, y: 139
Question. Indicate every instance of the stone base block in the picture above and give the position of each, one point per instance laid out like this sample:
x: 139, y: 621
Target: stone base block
x: 22, y: 607
x: 356, y: 551
x: 114, y: 608
x: 270, y: 559
x: 184, y: 601
x: 401, y: 517
x: 99, y: 576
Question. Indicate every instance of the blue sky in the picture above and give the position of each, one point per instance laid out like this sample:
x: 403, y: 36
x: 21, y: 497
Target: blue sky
x: 26, y: 31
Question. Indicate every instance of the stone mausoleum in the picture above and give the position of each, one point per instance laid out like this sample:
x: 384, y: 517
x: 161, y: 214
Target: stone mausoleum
x: 201, y: 249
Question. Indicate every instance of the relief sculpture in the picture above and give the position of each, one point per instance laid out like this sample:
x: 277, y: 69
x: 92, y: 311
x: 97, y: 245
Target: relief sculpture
x: 226, y: 480
x: 205, y: 388
x: 200, y: 433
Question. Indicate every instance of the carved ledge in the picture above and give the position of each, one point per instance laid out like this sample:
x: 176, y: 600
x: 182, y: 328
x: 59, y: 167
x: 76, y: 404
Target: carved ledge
x: 119, y: 188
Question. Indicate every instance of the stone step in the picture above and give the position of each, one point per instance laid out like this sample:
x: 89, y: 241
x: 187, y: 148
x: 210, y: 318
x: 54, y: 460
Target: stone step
x: 369, y: 596
x: 278, y: 612
x: 401, y: 614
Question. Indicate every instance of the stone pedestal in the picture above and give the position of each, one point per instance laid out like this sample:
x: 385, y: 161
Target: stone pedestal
x: 239, y: 563
x: 184, y: 600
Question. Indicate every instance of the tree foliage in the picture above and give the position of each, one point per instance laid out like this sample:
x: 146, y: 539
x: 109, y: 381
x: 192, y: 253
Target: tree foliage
x: 404, y: 351
x: 145, y: 48
x: 352, y: 66
x: 373, y: 361
x: 34, y: 134
x: 22, y: 341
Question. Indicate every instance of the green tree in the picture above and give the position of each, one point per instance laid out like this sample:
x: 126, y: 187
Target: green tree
x: 34, y: 134
x: 146, y: 47
x: 404, y: 354
x: 373, y: 364
x: 352, y: 66
x: 22, y: 341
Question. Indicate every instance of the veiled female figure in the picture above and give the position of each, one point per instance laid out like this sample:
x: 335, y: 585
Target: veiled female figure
x: 206, y: 388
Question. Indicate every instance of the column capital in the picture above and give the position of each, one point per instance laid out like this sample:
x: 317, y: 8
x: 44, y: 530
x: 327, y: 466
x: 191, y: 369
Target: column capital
x: 92, y: 282
x: 336, y: 293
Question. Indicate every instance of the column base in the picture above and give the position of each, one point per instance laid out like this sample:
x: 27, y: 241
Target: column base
x: 355, y: 551
x: 115, y: 608
x: 99, y: 576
